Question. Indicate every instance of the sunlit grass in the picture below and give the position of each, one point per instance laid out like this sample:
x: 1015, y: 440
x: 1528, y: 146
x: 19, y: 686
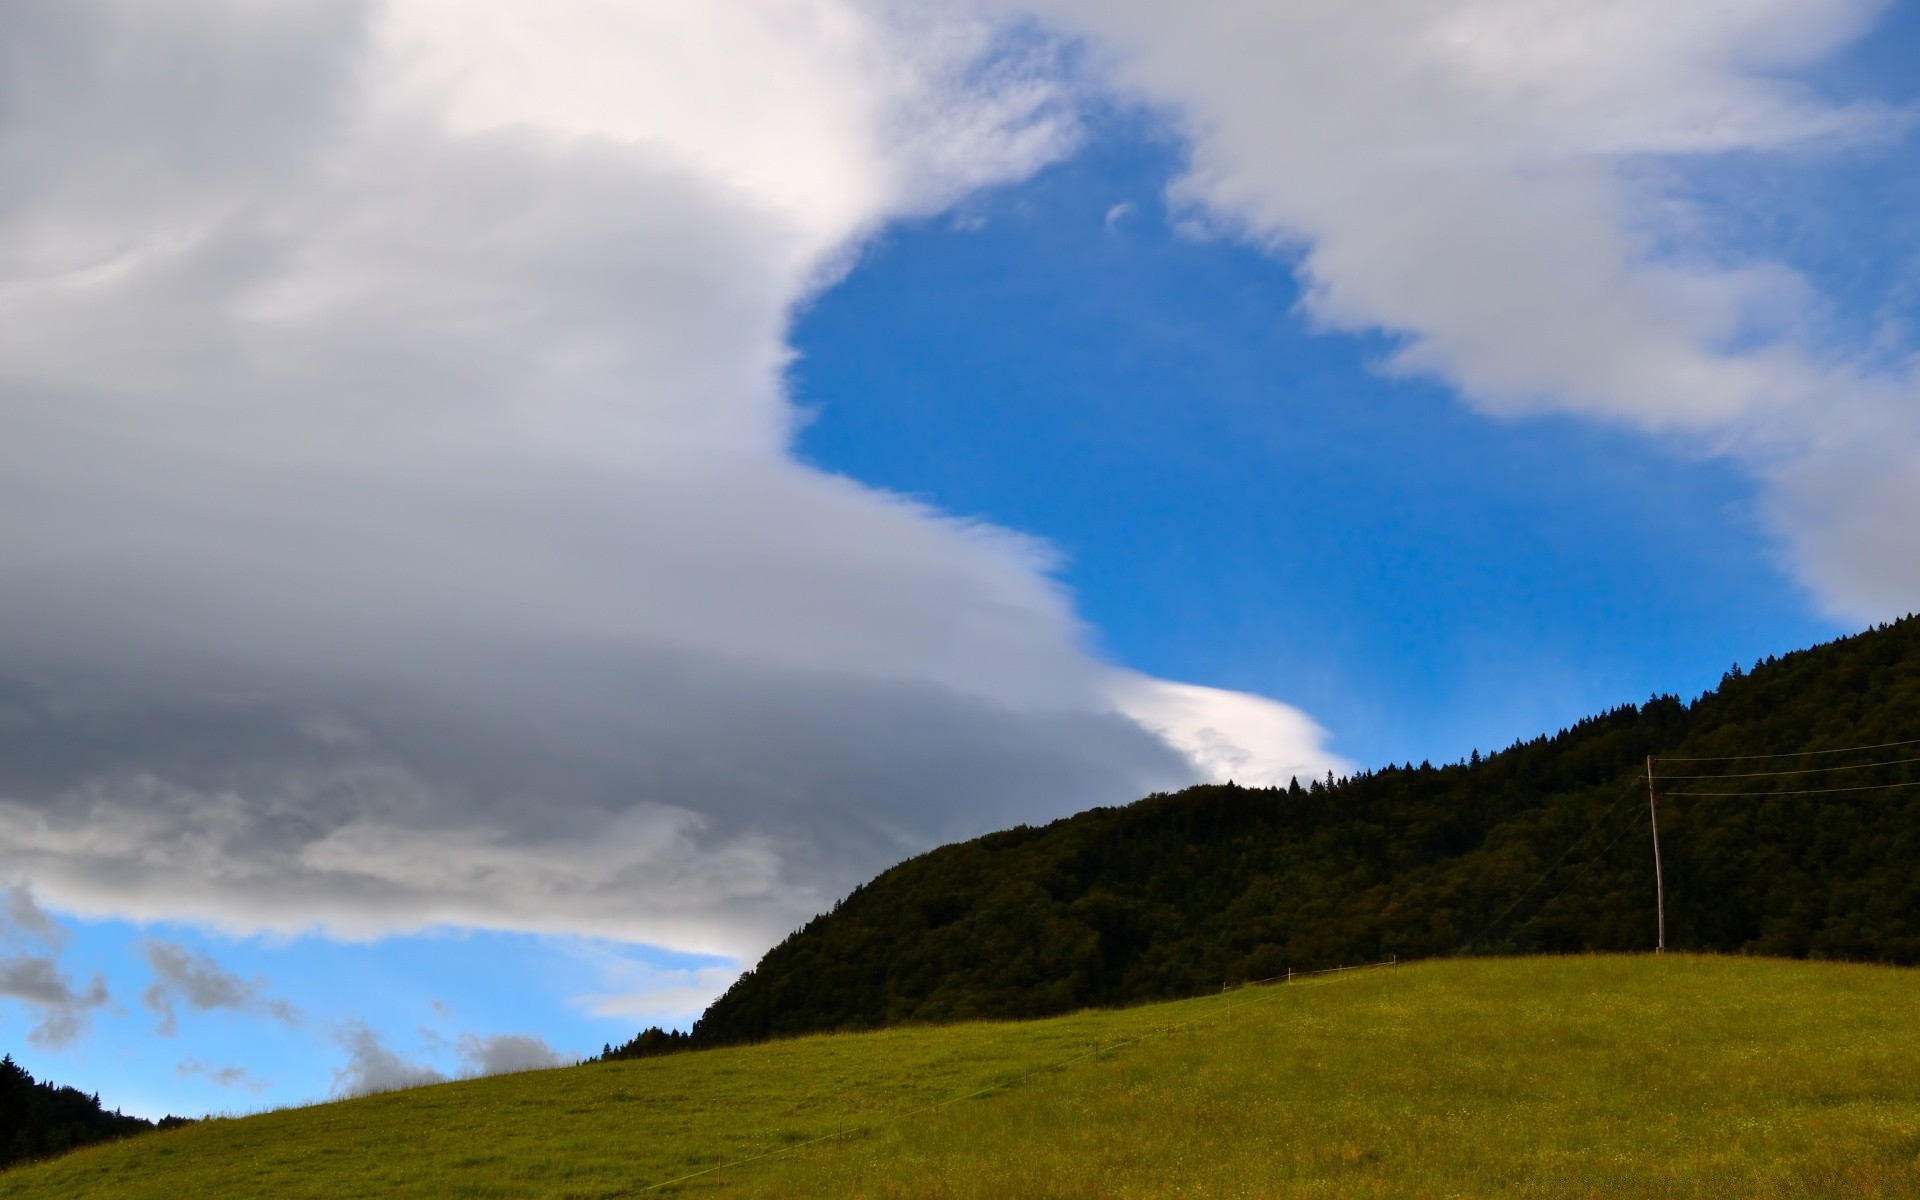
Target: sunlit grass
x: 1571, y: 1077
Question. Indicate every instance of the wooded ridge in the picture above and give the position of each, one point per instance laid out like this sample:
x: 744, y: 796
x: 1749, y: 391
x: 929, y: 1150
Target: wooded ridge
x: 1540, y: 848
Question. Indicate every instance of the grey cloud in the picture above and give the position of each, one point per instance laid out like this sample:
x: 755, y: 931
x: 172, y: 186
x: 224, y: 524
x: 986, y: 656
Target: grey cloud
x: 226, y: 1077
x: 38, y: 982
x: 506, y: 1053
x: 187, y: 977
x: 372, y: 1067
x: 401, y: 528
x: 24, y: 918
x: 785, y: 791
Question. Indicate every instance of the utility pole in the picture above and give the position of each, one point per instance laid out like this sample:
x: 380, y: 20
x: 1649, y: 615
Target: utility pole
x: 1659, y: 884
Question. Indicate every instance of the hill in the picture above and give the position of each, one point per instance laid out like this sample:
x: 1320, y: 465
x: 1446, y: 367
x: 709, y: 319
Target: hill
x: 1542, y: 847
x: 1673, y: 1076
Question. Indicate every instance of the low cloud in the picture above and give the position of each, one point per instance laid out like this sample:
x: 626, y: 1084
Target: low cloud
x: 506, y: 1053
x: 183, y: 976
x: 372, y: 1067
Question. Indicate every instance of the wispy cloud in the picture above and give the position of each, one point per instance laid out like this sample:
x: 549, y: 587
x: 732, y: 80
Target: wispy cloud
x: 226, y: 1077
x: 183, y: 976
x: 663, y: 996
x: 36, y: 980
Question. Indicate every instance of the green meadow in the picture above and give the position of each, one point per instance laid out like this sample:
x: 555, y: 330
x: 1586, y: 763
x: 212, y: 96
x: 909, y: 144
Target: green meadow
x: 1671, y: 1076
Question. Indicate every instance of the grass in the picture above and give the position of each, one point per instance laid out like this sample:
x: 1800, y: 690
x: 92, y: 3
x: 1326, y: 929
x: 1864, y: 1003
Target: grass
x: 1575, y: 1077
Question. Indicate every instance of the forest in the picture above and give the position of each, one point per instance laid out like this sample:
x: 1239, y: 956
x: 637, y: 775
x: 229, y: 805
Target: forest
x: 40, y: 1119
x: 1789, y: 819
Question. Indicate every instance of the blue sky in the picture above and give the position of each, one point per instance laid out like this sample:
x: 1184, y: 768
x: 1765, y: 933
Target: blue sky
x: 1242, y: 501
x: 506, y: 519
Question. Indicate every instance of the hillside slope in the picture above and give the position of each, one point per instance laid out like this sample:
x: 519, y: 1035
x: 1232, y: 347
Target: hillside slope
x: 1178, y: 894
x: 1573, y: 1077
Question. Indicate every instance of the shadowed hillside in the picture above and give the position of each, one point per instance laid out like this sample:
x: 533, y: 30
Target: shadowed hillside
x: 1180, y: 894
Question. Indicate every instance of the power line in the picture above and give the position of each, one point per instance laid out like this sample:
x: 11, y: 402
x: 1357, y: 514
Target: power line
x: 1891, y: 762
x: 1794, y: 754
x: 1544, y: 875
x: 1871, y: 787
x: 1626, y: 829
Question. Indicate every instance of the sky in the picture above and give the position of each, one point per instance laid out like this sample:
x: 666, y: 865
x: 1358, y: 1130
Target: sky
x: 511, y: 509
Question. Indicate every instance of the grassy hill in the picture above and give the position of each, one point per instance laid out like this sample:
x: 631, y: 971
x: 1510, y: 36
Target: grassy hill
x: 1176, y: 894
x: 1560, y: 1077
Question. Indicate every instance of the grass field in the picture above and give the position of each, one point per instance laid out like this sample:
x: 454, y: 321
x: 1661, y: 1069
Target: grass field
x: 1572, y: 1077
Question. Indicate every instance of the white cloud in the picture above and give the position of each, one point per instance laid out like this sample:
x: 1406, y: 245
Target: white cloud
x: 1493, y: 181
x: 400, y: 529
x: 1232, y: 737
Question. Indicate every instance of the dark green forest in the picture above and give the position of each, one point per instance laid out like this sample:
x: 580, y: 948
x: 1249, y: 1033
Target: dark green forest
x: 650, y: 1042
x: 1541, y: 848
x: 38, y: 1119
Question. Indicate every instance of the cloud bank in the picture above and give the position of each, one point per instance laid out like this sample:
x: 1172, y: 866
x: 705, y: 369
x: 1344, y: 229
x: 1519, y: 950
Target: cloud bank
x: 399, y: 525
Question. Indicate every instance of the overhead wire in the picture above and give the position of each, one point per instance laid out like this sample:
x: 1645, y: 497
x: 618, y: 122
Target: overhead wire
x: 1793, y: 754
x: 1631, y: 795
x: 1629, y: 827
x: 1890, y: 762
x: 1869, y: 787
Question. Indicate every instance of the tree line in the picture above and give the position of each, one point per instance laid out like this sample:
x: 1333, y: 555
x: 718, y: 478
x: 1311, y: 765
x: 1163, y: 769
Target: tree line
x: 40, y: 1119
